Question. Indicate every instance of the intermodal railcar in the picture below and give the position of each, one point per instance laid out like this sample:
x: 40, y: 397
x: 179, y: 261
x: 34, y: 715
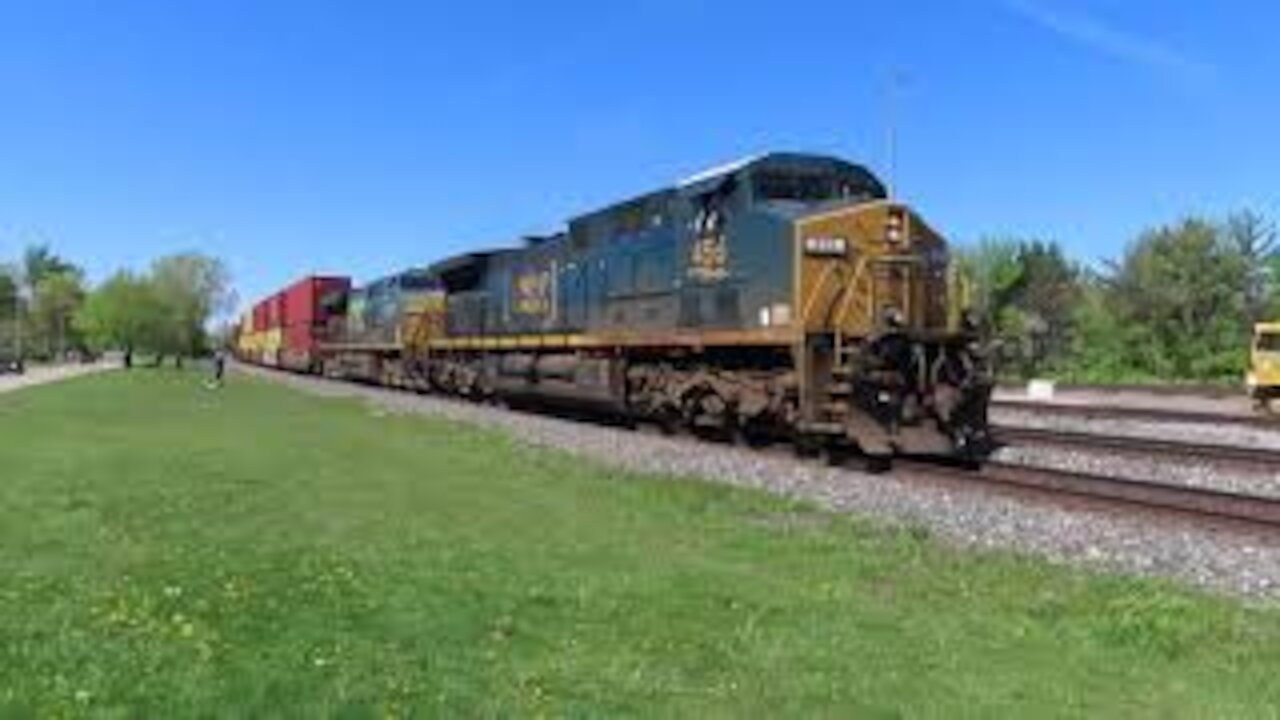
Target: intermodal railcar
x: 781, y: 295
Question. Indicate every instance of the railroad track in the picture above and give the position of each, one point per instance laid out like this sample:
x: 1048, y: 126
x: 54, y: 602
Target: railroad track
x: 1260, y: 458
x: 1114, y: 412
x: 1213, y: 392
x: 1199, y: 503
x: 1202, y: 503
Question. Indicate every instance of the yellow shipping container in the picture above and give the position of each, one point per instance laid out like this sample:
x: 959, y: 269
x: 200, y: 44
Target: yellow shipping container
x: 270, y: 343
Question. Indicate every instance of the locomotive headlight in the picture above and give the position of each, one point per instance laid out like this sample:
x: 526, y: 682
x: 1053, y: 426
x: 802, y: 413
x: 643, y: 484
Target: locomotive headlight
x: 893, y: 230
x: 826, y: 245
x: 893, y: 317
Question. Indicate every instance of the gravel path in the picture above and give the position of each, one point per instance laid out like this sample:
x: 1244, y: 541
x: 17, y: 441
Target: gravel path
x: 1231, y: 562
x: 40, y: 375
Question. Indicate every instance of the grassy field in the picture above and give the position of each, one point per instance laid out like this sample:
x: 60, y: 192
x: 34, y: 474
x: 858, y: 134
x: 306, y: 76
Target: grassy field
x: 168, y: 551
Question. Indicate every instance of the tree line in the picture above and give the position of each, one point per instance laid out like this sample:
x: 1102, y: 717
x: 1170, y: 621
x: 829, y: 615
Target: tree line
x: 49, y: 311
x: 1178, y: 304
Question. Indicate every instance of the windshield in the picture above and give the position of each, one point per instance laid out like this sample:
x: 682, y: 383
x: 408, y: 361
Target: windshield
x: 418, y: 281
x: 813, y: 187
x: 1268, y: 342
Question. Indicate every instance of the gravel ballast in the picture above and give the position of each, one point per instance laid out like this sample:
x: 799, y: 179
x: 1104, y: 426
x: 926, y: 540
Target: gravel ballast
x: 1233, y: 562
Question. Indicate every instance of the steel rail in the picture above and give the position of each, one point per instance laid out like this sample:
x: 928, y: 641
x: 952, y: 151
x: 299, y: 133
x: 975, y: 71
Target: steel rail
x: 1188, y: 390
x: 1264, y: 458
x: 1116, y: 412
x: 1198, y: 501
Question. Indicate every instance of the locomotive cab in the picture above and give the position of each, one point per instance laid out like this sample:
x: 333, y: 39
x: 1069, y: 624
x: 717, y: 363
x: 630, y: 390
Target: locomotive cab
x: 812, y: 251
x: 885, y: 362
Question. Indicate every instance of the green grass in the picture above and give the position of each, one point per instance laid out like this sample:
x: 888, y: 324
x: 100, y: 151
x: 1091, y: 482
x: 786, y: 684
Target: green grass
x: 168, y: 551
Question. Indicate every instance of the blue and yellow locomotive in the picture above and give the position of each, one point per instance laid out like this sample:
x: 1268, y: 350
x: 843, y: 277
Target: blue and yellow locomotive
x: 782, y: 295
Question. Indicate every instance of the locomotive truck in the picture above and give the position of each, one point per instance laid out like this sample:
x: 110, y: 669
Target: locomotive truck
x: 784, y: 295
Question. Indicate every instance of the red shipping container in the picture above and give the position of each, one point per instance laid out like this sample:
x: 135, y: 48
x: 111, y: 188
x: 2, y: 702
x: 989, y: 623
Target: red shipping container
x: 275, y: 311
x: 260, y: 317
x: 281, y: 319
x: 305, y: 318
x: 302, y: 299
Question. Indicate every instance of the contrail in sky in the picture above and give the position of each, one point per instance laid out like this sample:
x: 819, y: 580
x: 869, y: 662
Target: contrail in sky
x: 1101, y: 37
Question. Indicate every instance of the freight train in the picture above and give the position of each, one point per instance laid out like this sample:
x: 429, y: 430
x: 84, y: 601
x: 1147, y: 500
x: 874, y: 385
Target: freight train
x: 784, y: 295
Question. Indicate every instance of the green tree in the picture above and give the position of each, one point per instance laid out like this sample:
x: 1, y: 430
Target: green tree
x: 1101, y: 346
x: 123, y: 313
x: 1178, y: 290
x: 8, y: 287
x: 192, y: 288
x: 1253, y: 238
x: 11, y: 310
x: 51, y: 285
x: 55, y: 299
x: 990, y: 270
x: 1045, y: 294
x: 1024, y: 291
x: 39, y: 263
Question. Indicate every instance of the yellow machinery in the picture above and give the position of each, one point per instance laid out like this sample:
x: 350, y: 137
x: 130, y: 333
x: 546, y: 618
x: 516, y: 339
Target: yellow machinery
x: 1263, y: 379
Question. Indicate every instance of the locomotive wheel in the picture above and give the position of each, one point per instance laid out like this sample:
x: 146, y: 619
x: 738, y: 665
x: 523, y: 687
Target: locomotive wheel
x: 669, y: 424
x: 751, y: 436
x: 834, y: 455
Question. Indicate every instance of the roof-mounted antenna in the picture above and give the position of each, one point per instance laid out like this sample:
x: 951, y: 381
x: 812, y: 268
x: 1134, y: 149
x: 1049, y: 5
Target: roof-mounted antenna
x: 897, y: 81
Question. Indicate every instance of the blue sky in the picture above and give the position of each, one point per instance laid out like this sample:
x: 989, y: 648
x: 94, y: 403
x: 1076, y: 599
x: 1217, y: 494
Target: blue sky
x: 292, y: 137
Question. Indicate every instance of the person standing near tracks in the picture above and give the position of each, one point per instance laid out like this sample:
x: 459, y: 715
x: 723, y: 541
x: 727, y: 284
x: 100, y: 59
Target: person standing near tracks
x: 219, y: 368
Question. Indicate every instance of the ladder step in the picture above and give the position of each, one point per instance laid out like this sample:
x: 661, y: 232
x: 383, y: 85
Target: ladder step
x: 823, y: 428
x: 840, y: 388
x: 837, y: 409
